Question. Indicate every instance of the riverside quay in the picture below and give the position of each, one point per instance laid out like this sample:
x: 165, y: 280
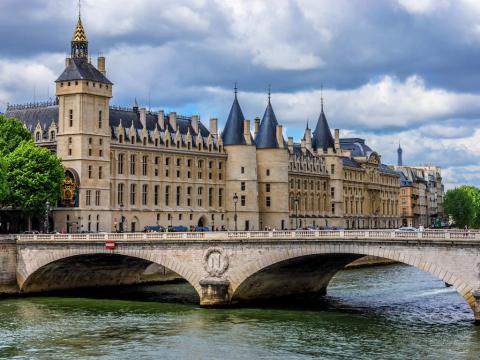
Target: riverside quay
x: 228, y: 268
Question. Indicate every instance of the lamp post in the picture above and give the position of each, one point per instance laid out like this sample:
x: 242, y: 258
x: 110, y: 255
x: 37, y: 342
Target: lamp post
x: 47, y: 210
x: 296, y: 211
x: 235, y: 200
x: 122, y: 218
x: 213, y: 222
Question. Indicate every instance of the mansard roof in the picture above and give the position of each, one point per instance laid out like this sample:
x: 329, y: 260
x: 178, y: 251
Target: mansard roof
x: 30, y: 116
x: 322, y: 137
x: 267, y: 133
x: 357, y: 146
x: 81, y: 69
x: 232, y: 134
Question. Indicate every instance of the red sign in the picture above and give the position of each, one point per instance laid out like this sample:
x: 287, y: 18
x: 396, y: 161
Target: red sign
x: 110, y: 245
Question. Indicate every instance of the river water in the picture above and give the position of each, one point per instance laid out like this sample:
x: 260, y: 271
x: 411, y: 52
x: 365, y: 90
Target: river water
x: 390, y: 312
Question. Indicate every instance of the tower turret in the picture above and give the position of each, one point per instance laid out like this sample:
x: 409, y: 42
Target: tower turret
x: 322, y: 137
x: 399, y: 155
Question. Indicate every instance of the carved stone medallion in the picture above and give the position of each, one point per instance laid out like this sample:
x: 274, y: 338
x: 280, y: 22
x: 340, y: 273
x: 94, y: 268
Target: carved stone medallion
x: 215, y: 262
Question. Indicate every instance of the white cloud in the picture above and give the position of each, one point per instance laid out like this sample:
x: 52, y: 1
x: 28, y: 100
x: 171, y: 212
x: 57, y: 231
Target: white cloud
x: 422, y: 6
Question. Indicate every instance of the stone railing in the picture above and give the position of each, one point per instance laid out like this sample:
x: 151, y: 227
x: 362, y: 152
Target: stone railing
x: 258, y: 235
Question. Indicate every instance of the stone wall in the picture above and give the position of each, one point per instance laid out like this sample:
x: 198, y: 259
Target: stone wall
x: 8, y: 265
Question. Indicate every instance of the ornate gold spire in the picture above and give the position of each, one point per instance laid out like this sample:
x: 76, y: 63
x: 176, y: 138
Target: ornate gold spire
x: 79, y: 33
x: 79, y: 40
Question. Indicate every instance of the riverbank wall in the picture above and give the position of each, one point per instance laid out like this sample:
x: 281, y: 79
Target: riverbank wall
x: 8, y: 265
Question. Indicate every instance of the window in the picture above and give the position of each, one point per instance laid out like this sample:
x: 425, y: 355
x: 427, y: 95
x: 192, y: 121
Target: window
x: 210, y: 164
x: 37, y: 136
x: 179, y: 162
x: 88, y: 197
x: 220, y: 197
x: 199, y: 175
x: 52, y: 135
x: 189, y: 190
x: 133, y: 159
x: 155, y: 195
x: 90, y: 141
x: 100, y: 152
x: 267, y: 187
x: 268, y: 201
x: 89, y: 171
x: 144, y: 194
x: 144, y: 165
x: 210, y: 197
x: 242, y: 186
x: 332, y: 169
x: 178, y: 173
x: 120, y: 163
x: 100, y: 172
x: 200, y: 200
x: 120, y: 190
x: 332, y: 192
x: 242, y: 170
x: 220, y: 165
x: 144, y: 141
x: 70, y: 117
x: 189, y: 162
x: 167, y: 195
x: 90, y: 152
x: 242, y: 200
x: 200, y: 164
x: 179, y: 192
x: 333, y: 209
x: 167, y: 161
x: 268, y: 172
x: 100, y: 119
x: 97, y: 197
x: 120, y: 139
x: 133, y: 189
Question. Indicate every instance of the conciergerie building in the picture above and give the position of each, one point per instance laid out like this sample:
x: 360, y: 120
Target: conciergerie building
x: 127, y: 168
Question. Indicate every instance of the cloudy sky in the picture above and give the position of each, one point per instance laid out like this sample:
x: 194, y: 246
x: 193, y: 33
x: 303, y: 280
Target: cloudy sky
x: 392, y: 71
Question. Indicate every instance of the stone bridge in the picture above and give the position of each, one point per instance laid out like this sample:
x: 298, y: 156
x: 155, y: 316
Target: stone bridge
x: 228, y: 268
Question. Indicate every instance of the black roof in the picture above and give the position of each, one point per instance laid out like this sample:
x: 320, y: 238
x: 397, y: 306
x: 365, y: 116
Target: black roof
x: 267, y: 133
x: 30, y: 116
x: 81, y: 69
x: 232, y: 134
x: 322, y: 137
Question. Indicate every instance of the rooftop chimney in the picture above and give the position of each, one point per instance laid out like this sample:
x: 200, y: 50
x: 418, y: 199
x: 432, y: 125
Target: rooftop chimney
x: 194, y: 122
x: 214, y: 126
x: 257, y: 126
x: 246, y: 132
x: 143, y: 117
x: 172, y: 119
x: 161, y: 119
x: 337, y: 139
x: 280, y: 136
x: 101, y: 65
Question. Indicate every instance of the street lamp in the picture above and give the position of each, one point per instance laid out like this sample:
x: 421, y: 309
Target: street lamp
x: 122, y: 218
x: 47, y: 210
x: 235, y: 200
x: 296, y: 211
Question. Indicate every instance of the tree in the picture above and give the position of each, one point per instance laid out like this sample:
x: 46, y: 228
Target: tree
x: 474, y: 194
x: 12, y: 133
x: 459, y: 204
x: 3, y: 181
x: 34, y: 175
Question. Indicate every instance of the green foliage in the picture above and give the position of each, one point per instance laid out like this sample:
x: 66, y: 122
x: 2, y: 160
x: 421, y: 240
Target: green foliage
x: 459, y: 203
x: 3, y: 181
x: 34, y: 175
x: 12, y: 133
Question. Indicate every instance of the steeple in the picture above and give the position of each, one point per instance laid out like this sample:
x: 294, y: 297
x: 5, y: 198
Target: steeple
x: 232, y: 134
x: 322, y: 137
x: 399, y: 154
x: 79, y: 44
x: 267, y: 133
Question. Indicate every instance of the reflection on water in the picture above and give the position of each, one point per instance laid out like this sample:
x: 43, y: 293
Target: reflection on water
x: 393, y: 312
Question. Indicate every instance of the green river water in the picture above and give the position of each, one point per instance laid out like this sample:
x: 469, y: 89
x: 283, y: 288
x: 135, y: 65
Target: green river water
x: 390, y: 312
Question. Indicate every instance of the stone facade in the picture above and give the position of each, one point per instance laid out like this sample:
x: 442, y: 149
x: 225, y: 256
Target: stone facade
x: 127, y: 168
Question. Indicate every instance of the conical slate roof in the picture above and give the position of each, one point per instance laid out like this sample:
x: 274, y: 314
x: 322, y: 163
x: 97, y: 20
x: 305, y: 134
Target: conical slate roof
x: 322, y: 137
x: 79, y: 33
x: 232, y: 134
x: 267, y: 133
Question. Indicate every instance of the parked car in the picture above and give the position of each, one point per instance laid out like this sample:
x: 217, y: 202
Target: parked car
x: 153, y: 228
x: 178, y: 228
x: 408, y: 229
x: 201, y: 228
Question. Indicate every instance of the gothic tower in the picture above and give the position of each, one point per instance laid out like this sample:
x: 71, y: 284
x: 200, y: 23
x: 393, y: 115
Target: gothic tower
x: 241, y: 171
x: 399, y: 155
x: 83, y: 140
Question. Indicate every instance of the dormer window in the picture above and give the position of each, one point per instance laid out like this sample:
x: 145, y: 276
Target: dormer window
x: 37, y: 136
x: 52, y: 135
x: 120, y: 139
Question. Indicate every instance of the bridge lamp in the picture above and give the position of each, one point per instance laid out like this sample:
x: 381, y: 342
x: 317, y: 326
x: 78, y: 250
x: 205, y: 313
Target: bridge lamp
x: 235, y: 200
x: 296, y: 212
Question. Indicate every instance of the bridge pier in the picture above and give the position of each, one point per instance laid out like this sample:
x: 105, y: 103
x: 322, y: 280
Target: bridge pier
x: 476, y: 309
x: 214, y: 292
x: 8, y: 266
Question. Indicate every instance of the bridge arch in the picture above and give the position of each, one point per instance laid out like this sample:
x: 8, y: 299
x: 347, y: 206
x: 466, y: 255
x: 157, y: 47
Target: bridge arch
x: 31, y: 267
x: 252, y: 282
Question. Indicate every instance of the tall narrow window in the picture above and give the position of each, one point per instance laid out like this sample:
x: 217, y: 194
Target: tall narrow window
x: 200, y: 200
x: 155, y: 195
x: 243, y: 200
x: 144, y: 165
x: 267, y: 187
x: 133, y: 188
x: 220, y: 197
x: 144, y: 194
x: 89, y: 171
x: 167, y: 195
x: 133, y: 158
x: 179, y: 192
x: 120, y: 163
x: 88, y: 197
x: 100, y: 119
x: 268, y: 201
x: 97, y: 198
x: 70, y: 117
x: 120, y: 190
